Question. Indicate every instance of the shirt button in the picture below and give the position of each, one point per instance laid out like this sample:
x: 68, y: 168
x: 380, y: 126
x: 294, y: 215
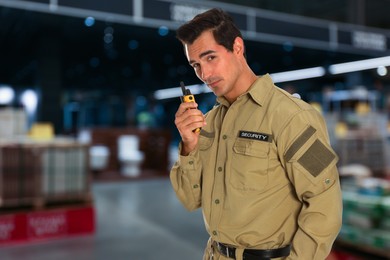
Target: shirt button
x: 219, y: 169
x: 191, y: 162
x: 217, y: 201
x: 224, y: 137
x: 327, y: 181
x: 196, y: 186
x: 215, y: 233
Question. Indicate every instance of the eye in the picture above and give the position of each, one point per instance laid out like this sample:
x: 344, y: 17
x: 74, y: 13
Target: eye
x: 210, y: 58
x: 196, y: 65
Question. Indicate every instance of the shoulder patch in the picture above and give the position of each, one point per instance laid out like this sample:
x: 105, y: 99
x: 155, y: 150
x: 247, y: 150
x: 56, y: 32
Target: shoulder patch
x: 301, y: 140
x: 316, y: 158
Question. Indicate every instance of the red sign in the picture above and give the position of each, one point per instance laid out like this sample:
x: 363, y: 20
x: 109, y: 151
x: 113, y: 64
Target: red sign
x: 46, y: 224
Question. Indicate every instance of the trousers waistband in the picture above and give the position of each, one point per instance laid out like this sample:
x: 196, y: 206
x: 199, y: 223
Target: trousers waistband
x: 253, y: 254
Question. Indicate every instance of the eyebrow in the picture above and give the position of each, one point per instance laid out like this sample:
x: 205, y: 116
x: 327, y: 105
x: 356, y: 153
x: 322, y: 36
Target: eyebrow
x: 202, y: 55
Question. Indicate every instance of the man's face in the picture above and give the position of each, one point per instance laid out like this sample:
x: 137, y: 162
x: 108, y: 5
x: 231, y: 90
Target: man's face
x: 213, y: 63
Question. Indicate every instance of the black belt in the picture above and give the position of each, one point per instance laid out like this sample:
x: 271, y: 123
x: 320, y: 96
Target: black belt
x: 253, y: 254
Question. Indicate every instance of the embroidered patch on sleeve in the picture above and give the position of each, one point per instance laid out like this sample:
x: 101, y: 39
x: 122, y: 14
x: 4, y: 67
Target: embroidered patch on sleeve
x: 301, y: 140
x: 316, y: 158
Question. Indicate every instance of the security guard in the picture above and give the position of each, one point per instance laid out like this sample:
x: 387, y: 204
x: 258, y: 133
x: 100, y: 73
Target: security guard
x: 261, y: 168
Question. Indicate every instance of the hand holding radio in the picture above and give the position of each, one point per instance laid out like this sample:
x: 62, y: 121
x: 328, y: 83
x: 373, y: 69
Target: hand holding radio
x: 188, y: 97
x: 189, y: 120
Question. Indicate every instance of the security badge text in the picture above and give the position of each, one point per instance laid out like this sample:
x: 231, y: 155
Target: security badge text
x: 255, y: 136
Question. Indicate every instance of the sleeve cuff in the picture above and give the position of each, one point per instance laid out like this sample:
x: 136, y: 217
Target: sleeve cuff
x: 187, y: 162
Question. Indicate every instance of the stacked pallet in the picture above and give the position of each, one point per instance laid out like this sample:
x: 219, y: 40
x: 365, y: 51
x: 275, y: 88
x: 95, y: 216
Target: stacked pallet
x: 44, y: 190
x: 42, y: 173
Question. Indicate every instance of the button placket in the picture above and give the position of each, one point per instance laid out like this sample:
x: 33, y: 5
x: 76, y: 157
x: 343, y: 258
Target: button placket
x: 218, y: 191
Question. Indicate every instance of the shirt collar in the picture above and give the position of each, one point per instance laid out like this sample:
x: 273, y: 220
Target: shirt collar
x: 259, y: 91
x: 261, y: 88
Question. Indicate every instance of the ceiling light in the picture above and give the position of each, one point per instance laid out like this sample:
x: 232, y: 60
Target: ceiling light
x: 89, y: 21
x: 29, y: 99
x: 167, y: 93
x: 7, y: 95
x: 382, y: 71
x: 292, y: 75
x: 163, y: 31
x: 359, y: 65
x: 177, y: 92
x: 298, y: 74
x: 277, y: 77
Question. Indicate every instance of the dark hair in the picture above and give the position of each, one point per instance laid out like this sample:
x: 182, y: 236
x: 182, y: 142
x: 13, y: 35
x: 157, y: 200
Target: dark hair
x: 219, y: 22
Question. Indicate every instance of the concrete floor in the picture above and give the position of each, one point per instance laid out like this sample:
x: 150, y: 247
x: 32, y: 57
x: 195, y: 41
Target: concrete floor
x: 135, y: 220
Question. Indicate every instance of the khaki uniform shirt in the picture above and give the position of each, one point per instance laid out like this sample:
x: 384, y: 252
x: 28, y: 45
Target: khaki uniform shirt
x: 264, y: 174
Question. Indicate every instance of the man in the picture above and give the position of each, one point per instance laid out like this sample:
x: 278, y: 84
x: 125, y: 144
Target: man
x: 261, y: 167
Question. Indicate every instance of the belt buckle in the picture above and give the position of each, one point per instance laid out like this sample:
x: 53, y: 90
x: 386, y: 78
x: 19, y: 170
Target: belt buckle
x: 227, y: 251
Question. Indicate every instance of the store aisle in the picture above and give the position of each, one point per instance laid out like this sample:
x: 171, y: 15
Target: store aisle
x: 135, y: 220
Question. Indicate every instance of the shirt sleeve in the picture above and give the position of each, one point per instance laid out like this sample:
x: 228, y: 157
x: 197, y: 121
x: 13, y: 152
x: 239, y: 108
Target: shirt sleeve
x: 186, y: 178
x: 310, y: 163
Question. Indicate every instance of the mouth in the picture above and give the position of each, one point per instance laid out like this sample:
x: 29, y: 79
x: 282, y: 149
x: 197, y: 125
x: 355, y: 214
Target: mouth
x: 213, y: 84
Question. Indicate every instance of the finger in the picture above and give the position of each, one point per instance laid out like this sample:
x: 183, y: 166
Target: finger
x: 185, y: 121
x: 185, y: 106
x: 181, y: 115
x: 193, y: 122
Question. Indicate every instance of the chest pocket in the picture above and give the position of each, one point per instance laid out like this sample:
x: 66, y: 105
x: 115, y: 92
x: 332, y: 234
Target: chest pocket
x: 206, y: 139
x: 205, y: 143
x: 249, y: 168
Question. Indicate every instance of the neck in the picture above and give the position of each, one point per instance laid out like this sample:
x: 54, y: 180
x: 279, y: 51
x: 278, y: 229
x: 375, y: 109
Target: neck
x: 242, y: 85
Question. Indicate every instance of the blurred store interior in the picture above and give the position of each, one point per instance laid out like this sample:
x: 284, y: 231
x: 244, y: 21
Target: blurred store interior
x: 88, y: 93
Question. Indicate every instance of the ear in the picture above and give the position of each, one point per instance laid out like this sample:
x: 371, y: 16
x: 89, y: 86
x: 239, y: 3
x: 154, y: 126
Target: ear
x: 238, y: 46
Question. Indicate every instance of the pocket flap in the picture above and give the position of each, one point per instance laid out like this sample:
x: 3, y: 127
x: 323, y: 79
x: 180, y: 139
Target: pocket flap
x: 206, y: 139
x: 252, y: 148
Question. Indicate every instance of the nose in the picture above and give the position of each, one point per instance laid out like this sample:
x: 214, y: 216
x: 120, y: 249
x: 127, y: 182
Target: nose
x: 205, y: 73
